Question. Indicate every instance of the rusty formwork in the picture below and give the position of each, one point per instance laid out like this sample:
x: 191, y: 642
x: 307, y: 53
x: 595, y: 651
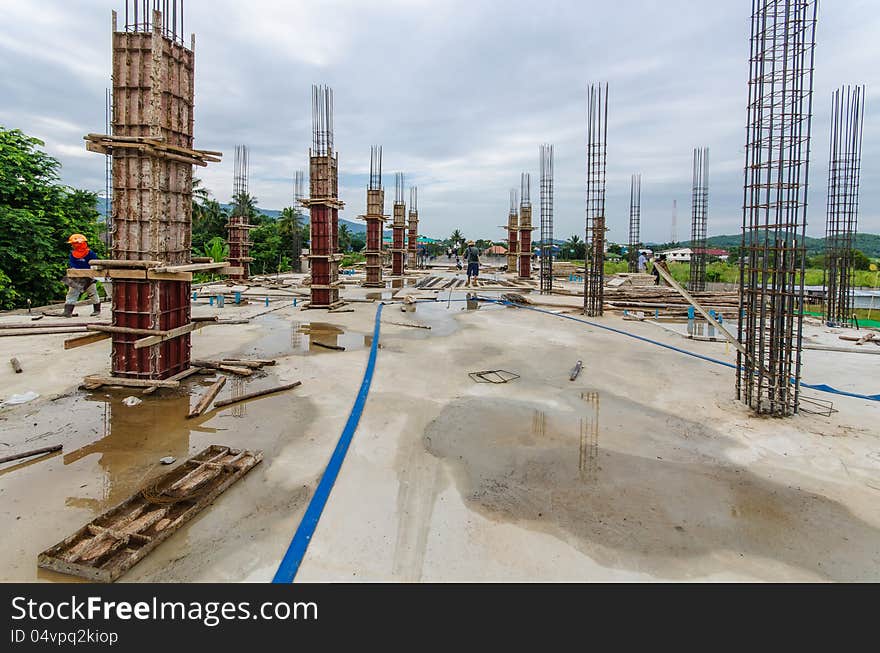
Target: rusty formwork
x: 151, y: 216
x: 398, y: 228
x: 375, y: 219
x: 525, y: 228
x: 412, y: 241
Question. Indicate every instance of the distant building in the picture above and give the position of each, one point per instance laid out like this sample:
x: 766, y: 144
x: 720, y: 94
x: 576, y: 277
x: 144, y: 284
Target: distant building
x: 683, y: 254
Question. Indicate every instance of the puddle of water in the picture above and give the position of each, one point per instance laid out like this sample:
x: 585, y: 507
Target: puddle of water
x: 306, y: 334
x: 646, y: 510
x: 110, y: 451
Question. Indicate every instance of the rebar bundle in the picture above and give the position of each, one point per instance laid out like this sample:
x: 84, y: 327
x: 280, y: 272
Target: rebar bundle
x: 699, y: 210
x: 375, y: 167
x: 299, y: 192
x: 546, y: 219
x: 597, y: 150
x: 674, y: 233
x: 322, y: 120
x: 635, y: 213
x: 775, y: 204
x: 240, y: 178
x: 413, y: 199
x: 842, y: 209
x: 525, y: 227
x: 139, y: 17
x: 399, y: 183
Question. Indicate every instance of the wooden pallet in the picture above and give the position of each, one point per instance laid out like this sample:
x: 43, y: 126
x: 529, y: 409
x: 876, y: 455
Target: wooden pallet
x: 111, y: 544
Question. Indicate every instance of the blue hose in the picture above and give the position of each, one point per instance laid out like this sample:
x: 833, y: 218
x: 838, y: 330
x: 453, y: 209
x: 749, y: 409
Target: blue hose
x: 300, y: 543
x: 820, y: 387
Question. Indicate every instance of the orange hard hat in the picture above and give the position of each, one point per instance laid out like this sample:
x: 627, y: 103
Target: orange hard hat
x: 76, y: 238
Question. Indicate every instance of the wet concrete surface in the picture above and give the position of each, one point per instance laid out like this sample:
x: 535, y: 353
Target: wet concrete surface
x: 111, y: 450
x: 573, y: 474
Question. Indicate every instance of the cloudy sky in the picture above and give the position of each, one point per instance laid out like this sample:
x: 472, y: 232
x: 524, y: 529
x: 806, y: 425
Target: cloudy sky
x: 460, y: 95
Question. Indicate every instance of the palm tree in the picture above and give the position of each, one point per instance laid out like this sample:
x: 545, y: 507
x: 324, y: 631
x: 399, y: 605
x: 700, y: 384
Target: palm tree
x: 344, y: 238
x: 573, y: 246
x: 245, y: 205
x: 456, y: 238
x: 290, y: 229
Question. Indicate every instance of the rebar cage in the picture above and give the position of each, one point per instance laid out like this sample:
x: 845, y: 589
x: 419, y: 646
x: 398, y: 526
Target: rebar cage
x: 699, y: 213
x: 546, y: 219
x: 775, y: 204
x: 597, y: 138
x: 635, y: 216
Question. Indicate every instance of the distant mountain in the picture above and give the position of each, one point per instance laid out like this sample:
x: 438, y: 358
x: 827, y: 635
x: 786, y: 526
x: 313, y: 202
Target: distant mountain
x: 869, y: 244
x: 354, y: 227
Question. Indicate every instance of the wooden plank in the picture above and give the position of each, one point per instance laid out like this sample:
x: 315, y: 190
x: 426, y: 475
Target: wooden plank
x: 28, y: 454
x: 191, y: 267
x: 87, y: 339
x: 120, y: 263
x: 258, y: 393
x: 108, y: 546
x: 169, y: 276
x: 235, y: 269
x: 40, y: 332
x: 105, y: 328
x: 180, y: 376
x: 75, y: 273
x: 167, y: 335
x: 209, y: 396
x: 130, y: 383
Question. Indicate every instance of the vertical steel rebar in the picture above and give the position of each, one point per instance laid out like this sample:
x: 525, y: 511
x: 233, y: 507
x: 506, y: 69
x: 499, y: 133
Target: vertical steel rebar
x: 546, y: 219
x: 699, y: 213
x: 842, y: 208
x: 776, y: 171
x: 635, y: 212
x: 594, y: 240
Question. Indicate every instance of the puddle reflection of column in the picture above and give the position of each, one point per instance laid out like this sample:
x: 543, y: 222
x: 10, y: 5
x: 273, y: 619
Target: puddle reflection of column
x: 539, y: 423
x: 237, y: 387
x: 296, y: 339
x: 134, y: 438
x: 588, y: 464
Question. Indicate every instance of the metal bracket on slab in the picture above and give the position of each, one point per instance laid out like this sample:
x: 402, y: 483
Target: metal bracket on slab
x: 493, y: 376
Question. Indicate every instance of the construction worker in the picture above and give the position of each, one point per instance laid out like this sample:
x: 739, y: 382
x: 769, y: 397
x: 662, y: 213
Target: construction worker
x: 661, y: 261
x: 472, y: 257
x: 642, y: 263
x: 80, y: 255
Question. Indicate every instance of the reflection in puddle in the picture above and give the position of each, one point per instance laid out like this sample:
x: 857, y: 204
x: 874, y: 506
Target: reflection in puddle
x: 133, y: 440
x: 308, y: 334
x: 238, y: 390
x: 588, y: 463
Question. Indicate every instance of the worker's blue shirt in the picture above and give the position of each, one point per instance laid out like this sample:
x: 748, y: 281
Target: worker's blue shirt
x: 82, y: 263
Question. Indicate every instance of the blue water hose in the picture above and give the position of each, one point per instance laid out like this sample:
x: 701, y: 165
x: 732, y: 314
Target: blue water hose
x: 302, y: 537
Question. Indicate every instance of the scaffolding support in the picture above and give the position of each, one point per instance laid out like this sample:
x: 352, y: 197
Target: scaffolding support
x: 775, y: 205
x: 525, y: 226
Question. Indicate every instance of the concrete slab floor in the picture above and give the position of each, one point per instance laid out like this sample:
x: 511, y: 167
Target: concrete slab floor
x: 644, y: 468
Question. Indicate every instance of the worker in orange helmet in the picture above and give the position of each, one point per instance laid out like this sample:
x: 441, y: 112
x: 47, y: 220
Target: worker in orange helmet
x: 80, y: 255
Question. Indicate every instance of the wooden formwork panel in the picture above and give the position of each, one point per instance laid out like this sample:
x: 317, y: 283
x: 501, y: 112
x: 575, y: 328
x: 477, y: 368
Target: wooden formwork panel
x: 375, y: 202
x: 152, y: 88
x: 111, y: 544
x: 399, y: 215
x: 323, y: 177
x: 152, y: 209
x: 525, y: 217
x: 154, y: 305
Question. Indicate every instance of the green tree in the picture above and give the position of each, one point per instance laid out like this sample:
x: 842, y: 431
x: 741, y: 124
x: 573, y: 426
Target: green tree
x: 860, y: 261
x: 344, y: 238
x: 456, y: 239
x: 208, y: 223
x: 38, y: 215
x: 574, y: 247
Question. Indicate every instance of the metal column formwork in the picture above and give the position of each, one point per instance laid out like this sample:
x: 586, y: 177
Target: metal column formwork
x: 375, y: 219
x: 546, y: 219
x: 151, y: 144
x: 412, y: 238
x: 398, y: 227
x: 525, y: 226
x: 323, y: 203
x: 597, y: 151
x: 635, y: 217
x: 699, y: 213
x: 775, y: 205
x: 842, y: 208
